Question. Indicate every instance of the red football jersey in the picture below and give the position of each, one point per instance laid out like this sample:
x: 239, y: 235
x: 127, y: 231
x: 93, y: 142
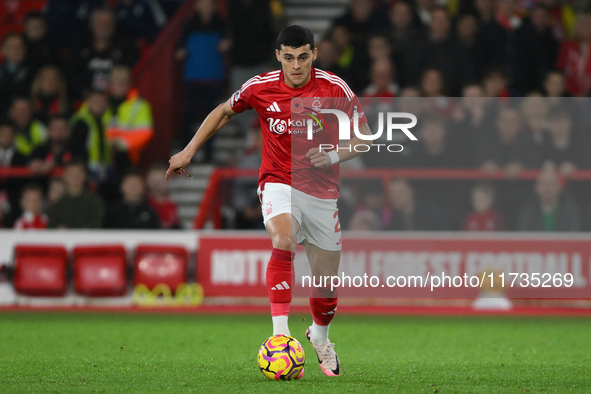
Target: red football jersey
x: 285, y: 142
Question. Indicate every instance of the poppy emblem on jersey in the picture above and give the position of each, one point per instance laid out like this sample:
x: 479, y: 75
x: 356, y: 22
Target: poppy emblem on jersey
x: 297, y: 105
x: 268, y: 208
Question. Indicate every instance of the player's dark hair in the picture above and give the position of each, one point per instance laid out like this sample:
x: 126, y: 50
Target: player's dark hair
x: 295, y: 36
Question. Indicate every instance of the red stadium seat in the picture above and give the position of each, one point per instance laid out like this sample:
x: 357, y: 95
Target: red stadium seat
x: 40, y: 270
x: 99, y: 270
x: 160, y: 264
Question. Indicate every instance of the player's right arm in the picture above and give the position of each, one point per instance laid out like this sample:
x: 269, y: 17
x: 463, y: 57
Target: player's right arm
x: 212, y: 123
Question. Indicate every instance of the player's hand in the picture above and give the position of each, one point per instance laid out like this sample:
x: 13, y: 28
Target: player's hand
x: 318, y: 157
x: 178, y: 163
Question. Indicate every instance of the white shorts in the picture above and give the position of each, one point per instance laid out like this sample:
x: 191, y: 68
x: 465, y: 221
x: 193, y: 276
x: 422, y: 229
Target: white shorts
x: 318, y: 218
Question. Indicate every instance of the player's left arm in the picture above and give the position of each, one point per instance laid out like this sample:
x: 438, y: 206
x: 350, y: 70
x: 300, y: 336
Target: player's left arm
x: 320, y: 158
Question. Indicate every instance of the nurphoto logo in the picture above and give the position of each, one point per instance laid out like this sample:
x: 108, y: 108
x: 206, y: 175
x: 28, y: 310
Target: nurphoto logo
x: 392, y: 120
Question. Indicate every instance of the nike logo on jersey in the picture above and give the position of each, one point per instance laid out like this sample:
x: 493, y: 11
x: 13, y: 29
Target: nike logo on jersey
x: 281, y: 286
x: 273, y: 107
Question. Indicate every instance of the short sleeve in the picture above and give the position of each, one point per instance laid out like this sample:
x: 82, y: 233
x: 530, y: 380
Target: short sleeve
x: 240, y: 99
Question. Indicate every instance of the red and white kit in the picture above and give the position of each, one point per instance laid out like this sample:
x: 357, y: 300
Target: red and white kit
x: 285, y: 144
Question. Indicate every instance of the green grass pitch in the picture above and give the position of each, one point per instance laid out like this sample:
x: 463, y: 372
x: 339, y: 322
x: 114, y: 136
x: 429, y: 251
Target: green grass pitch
x: 145, y: 353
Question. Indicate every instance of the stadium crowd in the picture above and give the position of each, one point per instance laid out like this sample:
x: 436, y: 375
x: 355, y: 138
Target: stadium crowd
x: 520, y: 70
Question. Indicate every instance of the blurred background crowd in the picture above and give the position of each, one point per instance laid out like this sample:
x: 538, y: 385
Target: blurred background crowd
x: 71, y: 114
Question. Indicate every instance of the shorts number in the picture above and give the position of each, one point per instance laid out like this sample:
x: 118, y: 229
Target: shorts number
x: 337, y: 226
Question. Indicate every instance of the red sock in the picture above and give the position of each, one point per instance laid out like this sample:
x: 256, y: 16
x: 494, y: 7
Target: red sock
x: 324, y: 305
x: 279, y: 281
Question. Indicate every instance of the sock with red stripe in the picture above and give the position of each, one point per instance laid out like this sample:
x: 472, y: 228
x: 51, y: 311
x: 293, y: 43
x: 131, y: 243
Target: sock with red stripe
x: 279, y: 288
x: 324, y: 305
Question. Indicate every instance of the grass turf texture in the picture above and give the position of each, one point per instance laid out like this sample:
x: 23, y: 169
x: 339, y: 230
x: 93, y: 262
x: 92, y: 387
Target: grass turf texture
x: 110, y: 353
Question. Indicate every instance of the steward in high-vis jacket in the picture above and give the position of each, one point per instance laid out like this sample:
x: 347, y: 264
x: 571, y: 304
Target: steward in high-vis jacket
x: 130, y: 126
x: 89, y: 138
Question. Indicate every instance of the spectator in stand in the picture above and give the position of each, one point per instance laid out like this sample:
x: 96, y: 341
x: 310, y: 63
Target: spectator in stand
x: 40, y: 51
x: 485, y: 11
x: 382, y: 80
x: 49, y: 93
x: 30, y: 133
x: 424, y: 9
x: 534, y: 112
x: 55, y: 191
x: 471, y: 120
x: 407, y: 34
x: 410, y: 214
x: 158, y: 196
x: 95, y: 56
x: 364, y: 220
x: 67, y: 20
x: 562, y: 18
x: 378, y: 49
x: 56, y: 151
x: 245, y: 201
x: 504, y: 149
x: 497, y: 42
x: 537, y: 50
x: 432, y: 83
x: 140, y: 20
x: 562, y: 149
x: 345, y: 50
x: 327, y: 58
x: 89, y: 138
x: 248, y: 22
x: 130, y: 125
x: 15, y: 74
x: 373, y: 200
x: 555, y: 84
x: 467, y: 34
x: 4, y: 208
x: 483, y: 217
x: 446, y: 53
x: 434, y: 149
x: 494, y: 82
x: 359, y: 20
x: 575, y: 56
x: 133, y: 211
x: 202, y: 47
x: 33, y: 216
x: 552, y: 209
x: 9, y: 155
x: 78, y: 208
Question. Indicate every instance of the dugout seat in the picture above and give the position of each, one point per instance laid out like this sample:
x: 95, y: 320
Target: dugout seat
x: 99, y: 270
x: 160, y: 264
x: 40, y: 270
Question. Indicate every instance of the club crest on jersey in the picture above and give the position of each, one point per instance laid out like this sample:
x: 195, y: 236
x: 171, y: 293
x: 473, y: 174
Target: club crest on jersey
x: 277, y: 126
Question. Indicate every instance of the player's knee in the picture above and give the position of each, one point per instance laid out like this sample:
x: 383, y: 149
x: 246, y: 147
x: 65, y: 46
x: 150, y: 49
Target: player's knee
x: 282, y: 241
